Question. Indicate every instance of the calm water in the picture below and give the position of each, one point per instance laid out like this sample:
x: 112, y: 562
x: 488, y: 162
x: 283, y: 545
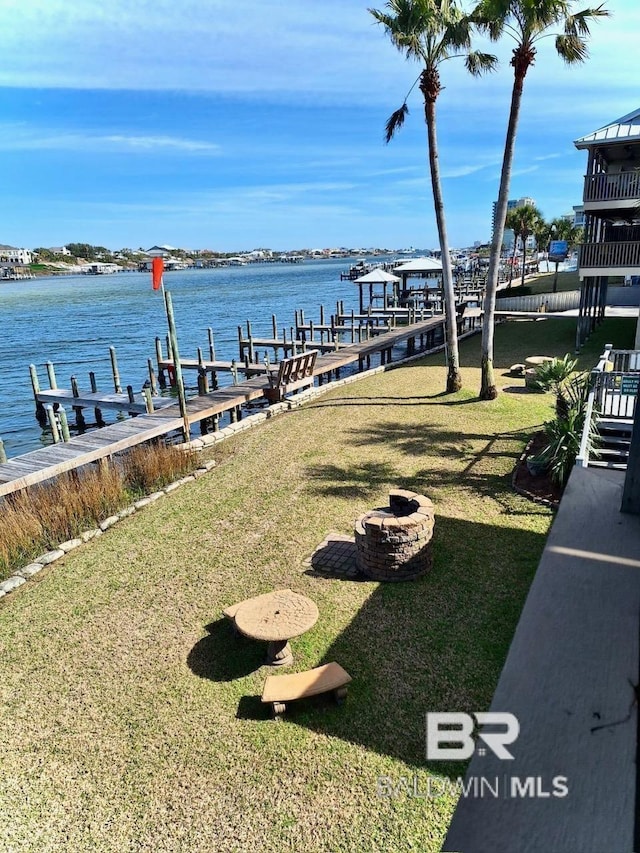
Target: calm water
x: 72, y: 321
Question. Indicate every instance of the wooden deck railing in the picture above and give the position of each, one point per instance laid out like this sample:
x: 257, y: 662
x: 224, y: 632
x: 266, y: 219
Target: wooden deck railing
x: 610, y: 254
x: 618, y: 187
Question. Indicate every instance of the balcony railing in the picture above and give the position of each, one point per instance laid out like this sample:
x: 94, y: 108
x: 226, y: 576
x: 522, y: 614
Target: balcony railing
x: 619, y: 187
x: 603, y: 255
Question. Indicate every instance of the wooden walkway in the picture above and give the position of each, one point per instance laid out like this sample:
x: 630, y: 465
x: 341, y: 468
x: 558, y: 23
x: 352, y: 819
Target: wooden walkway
x: 45, y: 464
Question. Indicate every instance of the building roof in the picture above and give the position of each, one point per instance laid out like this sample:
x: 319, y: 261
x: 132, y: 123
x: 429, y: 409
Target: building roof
x: 620, y: 130
x: 420, y: 265
x: 376, y: 276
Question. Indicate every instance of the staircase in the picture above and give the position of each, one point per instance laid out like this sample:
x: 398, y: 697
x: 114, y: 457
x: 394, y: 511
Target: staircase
x: 615, y: 440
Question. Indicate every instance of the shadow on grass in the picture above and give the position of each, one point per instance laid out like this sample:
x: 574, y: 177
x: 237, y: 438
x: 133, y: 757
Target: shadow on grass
x: 435, y: 644
x: 471, y: 466
x: 222, y: 656
x: 427, y: 400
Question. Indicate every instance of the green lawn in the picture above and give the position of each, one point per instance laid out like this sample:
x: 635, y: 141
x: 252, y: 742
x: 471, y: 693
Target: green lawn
x: 131, y: 715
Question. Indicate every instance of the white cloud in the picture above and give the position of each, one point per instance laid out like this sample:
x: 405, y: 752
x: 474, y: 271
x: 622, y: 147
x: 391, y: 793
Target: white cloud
x: 329, y: 51
x: 15, y: 137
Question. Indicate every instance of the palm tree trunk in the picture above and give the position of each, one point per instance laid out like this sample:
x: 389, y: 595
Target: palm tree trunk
x: 513, y: 258
x: 488, y: 390
x: 524, y: 259
x: 454, y: 378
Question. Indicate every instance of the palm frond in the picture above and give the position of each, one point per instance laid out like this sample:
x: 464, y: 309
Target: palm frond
x: 478, y: 63
x: 395, y: 121
x: 571, y: 48
x: 578, y: 24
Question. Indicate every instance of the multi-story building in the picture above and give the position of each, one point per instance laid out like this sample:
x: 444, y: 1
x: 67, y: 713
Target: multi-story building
x: 509, y: 236
x: 12, y: 256
x: 611, y: 247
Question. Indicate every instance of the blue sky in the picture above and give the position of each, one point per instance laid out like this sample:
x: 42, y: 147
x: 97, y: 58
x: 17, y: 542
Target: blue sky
x: 236, y: 124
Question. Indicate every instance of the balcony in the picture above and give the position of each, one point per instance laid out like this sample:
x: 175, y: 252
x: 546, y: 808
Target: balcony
x: 621, y: 186
x: 622, y: 257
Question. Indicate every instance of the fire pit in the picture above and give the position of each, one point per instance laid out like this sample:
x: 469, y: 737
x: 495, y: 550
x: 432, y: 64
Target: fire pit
x: 394, y: 543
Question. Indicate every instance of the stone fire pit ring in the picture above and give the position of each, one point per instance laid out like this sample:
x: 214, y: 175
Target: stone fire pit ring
x: 394, y: 543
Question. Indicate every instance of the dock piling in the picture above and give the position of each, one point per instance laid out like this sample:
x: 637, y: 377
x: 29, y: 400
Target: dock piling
x: 53, y: 423
x: 161, y: 377
x: 212, y: 348
x: 114, y: 369
x: 64, y: 423
x: 3, y: 455
x: 148, y: 399
x: 51, y: 373
x: 152, y: 378
x: 80, y: 422
x: 41, y: 415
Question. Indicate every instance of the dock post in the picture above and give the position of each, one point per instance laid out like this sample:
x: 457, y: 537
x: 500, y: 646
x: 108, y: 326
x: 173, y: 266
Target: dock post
x: 233, y: 415
x: 274, y: 326
x: 161, y: 377
x: 64, y: 423
x: 152, y: 378
x: 234, y: 371
x: 212, y: 348
x: 52, y: 376
x: 55, y: 434
x: 41, y: 415
x: 148, y: 400
x: 240, y: 342
x: 132, y: 399
x: 250, y: 337
x: 3, y: 455
x: 114, y: 367
x: 203, y: 382
x: 80, y: 422
x: 311, y: 331
x: 94, y: 390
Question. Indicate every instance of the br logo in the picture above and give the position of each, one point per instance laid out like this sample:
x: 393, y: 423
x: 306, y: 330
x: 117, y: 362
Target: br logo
x: 456, y: 731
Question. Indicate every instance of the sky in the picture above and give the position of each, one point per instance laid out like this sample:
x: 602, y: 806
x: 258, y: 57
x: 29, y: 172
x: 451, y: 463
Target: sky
x: 239, y: 124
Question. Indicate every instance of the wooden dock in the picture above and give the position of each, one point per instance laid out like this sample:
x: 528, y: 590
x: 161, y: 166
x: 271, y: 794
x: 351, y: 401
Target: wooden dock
x: 47, y: 463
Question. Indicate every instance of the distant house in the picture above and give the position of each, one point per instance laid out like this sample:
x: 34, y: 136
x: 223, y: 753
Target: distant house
x: 59, y: 250
x: 161, y: 251
x: 11, y: 255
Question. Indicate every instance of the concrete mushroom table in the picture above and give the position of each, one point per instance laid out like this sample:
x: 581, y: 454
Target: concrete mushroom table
x: 276, y: 617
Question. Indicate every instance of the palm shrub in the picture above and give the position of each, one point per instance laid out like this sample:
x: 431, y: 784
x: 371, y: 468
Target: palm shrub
x: 553, y: 375
x: 564, y: 432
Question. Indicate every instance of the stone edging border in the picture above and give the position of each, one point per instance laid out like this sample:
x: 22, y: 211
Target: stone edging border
x: 20, y: 576
x: 525, y: 494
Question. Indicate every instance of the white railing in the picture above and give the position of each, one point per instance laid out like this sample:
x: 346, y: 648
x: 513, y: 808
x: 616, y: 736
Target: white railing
x: 563, y: 301
x: 613, y: 394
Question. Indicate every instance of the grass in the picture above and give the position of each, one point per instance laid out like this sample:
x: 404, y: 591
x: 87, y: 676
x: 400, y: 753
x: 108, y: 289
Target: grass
x: 41, y: 517
x: 132, y: 716
x: 543, y: 283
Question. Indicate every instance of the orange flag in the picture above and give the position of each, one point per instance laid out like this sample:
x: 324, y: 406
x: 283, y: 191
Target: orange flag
x: 157, y: 268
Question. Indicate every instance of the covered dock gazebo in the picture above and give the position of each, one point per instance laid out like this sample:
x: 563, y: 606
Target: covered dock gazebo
x: 419, y: 269
x: 380, y: 277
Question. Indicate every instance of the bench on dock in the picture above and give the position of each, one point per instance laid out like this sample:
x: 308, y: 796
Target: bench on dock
x: 292, y: 374
x: 279, y: 689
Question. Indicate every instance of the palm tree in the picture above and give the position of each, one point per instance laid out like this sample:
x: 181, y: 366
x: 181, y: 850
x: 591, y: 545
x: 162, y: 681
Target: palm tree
x: 563, y: 229
x: 522, y: 221
x: 542, y: 234
x: 526, y: 22
x: 432, y: 31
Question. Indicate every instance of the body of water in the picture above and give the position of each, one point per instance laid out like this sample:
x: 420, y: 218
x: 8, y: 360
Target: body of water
x: 73, y: 320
